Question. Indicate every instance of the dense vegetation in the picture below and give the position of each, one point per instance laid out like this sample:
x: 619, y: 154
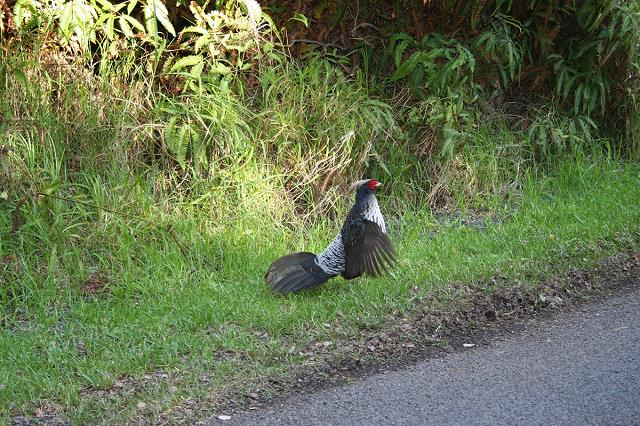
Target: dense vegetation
x: 155, y: 157
x: 213, y: 90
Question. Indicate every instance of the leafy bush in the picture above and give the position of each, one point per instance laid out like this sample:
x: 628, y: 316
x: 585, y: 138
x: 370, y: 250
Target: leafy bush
x: 76, y: 24
x: 499, y: 46
x: 582, y: 58
x: 551, y: 133
x: 436, y: 65
x: 194, y: 43
x: 441, y: 72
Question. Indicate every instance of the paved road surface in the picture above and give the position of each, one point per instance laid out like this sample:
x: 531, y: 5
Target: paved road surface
x: 577, y: 367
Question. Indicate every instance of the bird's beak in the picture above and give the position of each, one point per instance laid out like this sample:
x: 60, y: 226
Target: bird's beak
x: 378, y: 184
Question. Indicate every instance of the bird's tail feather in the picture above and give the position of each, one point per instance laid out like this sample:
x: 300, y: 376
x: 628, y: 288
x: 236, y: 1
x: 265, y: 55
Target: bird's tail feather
x: 295, y: 272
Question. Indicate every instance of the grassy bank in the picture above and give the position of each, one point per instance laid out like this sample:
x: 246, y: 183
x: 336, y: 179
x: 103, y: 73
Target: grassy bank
x: 168, y: 326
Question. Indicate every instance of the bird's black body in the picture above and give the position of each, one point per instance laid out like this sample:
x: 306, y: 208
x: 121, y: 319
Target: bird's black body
x: 362, y: 246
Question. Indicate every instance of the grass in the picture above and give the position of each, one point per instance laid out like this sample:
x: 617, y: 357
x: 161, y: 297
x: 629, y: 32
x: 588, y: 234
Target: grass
x: 167, y: 313
x: 185, y: 313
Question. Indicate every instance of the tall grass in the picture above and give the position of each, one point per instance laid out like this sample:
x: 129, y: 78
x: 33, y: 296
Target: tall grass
x: 304, y: 129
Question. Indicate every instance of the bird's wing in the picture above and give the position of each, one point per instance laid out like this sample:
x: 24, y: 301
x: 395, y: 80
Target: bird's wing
x: 295, y: 272
x: 367, y: 249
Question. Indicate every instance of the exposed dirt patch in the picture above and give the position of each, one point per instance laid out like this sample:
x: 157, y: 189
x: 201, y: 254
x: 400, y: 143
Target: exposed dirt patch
x: 95, y: 284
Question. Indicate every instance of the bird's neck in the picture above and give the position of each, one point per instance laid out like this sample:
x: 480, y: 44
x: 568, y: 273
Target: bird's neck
x: 364, y: 196
x: 367, y: 206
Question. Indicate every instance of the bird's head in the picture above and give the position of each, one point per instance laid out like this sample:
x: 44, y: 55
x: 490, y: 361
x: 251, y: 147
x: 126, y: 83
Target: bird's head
x: 369, y: 184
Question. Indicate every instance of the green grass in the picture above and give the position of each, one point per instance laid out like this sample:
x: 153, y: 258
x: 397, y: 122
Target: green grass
x: 240, y: 177
x: 168, y: 313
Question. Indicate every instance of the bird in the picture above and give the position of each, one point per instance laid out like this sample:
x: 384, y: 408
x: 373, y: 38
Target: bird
x: 362, y: 246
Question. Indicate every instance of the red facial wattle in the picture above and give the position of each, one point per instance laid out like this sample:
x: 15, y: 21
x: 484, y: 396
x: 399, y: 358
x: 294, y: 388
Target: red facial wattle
x: 372, y: 184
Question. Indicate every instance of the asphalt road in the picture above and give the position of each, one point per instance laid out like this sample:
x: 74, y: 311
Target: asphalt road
x: 575, y: 367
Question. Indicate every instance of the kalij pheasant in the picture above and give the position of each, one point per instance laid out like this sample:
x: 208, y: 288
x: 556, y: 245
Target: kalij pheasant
x: 362, y: 245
